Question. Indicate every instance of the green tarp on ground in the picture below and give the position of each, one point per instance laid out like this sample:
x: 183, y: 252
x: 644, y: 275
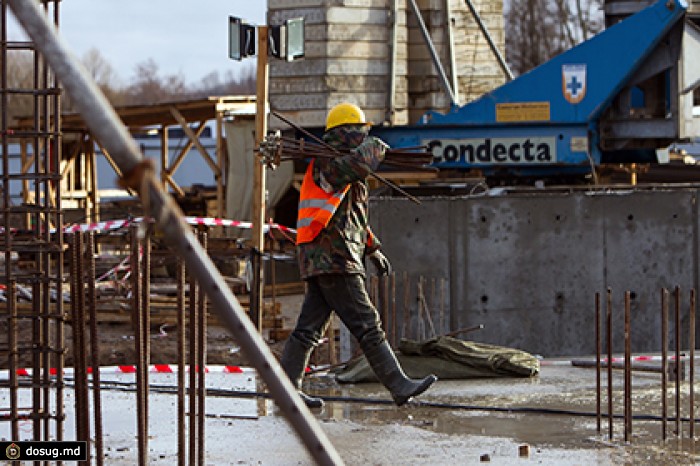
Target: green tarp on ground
x: 449, y: 358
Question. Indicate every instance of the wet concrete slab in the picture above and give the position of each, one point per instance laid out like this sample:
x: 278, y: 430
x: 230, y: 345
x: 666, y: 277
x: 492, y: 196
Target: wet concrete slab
x: 552, y: 416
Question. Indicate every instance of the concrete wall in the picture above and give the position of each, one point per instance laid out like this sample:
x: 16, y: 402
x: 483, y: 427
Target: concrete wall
x: 528, y: 265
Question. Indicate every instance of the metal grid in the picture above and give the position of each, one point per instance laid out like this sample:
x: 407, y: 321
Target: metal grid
x: 32, y: 316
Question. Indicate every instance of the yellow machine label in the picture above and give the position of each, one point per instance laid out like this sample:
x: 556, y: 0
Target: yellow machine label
x: 522, y: 111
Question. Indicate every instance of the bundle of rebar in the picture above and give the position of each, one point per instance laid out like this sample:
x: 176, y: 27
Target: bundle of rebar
x: 410, y: 158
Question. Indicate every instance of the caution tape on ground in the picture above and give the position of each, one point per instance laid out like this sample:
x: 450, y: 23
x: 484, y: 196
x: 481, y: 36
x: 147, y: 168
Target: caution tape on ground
x: 131, y: 369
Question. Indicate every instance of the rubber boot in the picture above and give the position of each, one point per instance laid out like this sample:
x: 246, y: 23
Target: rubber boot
x: 389, y: 372
x: 294, y: 360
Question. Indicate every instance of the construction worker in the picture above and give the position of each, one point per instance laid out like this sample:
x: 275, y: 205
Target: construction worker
x: 333, y: 239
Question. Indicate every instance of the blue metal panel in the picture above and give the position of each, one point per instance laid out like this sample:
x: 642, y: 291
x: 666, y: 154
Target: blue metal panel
x: 546, y: 121
x: 596, y: 70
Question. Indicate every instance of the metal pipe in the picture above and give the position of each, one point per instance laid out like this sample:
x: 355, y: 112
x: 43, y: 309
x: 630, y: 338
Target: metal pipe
x: 107, y: 127
x: 451, y: 50
x: 433, y: 54
x: 484, y: 30
x: 391, y: 104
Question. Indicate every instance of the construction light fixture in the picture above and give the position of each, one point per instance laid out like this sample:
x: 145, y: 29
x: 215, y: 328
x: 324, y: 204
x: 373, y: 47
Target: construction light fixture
x: 241, y: 39
x: 287, y: 40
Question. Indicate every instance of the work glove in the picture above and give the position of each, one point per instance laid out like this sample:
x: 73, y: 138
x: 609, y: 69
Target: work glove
x: 380, y: 262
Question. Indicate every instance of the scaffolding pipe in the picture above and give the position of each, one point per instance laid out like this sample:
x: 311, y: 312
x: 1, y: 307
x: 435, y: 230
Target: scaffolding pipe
x: 433, y: 54
x: 484, y: 30
x: 104, y: 123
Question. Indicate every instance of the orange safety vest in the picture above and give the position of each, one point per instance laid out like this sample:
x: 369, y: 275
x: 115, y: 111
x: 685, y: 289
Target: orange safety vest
x: 316, y: 207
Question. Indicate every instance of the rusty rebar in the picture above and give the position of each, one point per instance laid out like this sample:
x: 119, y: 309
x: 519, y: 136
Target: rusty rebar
x: 597, y: 362
x: 406, y: 303
x: 393, y: 310
x: 201, y: 363
x: 192, y: 358
x: 691, y: 362
x: 609, y: 330
x: 181, y: 424
x: 678, y: 359
x: 146, y: 318
x: 664, y: 362
x: 95, y: 349
x: 628, y: 371
x: 78, y: 318
x: 137, y: 317
x: 13, y: 357
x: 384, y: 284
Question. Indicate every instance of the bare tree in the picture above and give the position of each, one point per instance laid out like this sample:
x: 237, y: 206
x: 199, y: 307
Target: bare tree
x: 20, y: 75
x: 538, y: 30
x: 148, y: 87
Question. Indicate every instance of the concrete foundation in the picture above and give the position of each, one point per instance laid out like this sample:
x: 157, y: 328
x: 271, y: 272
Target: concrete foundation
x: 527, y: 265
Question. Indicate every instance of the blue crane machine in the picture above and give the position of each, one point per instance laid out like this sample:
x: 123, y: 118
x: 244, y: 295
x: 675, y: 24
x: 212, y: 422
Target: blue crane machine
x: 616, y: 98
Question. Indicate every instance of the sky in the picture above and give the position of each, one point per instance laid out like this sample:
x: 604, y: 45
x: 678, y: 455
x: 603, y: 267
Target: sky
x: 188, y: 37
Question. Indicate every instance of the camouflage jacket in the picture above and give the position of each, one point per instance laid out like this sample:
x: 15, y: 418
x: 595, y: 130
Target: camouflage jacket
x: 341, y: 246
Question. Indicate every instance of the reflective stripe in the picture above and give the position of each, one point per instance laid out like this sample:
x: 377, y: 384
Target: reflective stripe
x: 316, y: 207
x: 316, y: 203
x: 304, y: 222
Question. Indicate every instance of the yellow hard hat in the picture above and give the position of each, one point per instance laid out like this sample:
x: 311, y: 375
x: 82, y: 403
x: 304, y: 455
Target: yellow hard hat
x: 345, y: 114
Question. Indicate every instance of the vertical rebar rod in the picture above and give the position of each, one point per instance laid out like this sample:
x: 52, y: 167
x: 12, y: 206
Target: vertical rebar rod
x: 628, y: 368
x: 384, y: 283
x: 608, y: 333
x: 677, y: 331
x: 104, y: 123
x: 79, y: 370
x: 137, y: 316
x: 146, y: 320
x: 406, y: 303
x: 12, y: 337
x: 95, y: 349
x: 691, y: 362
x: 201, y: 363
x: 181, y: 425
x: 664, y: 362
x: 597, y: 361
x: 192, y: 358
x: 394, y: 328
x: 443, y: 286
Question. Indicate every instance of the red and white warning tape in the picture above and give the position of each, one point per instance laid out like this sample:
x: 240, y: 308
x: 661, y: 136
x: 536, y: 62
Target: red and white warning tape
x: 568, y: 362
x: 208, y: 221
x: 129, y: 369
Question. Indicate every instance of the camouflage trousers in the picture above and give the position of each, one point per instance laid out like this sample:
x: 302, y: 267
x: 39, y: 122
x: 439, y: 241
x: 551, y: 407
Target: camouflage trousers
x: 346, y: 295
